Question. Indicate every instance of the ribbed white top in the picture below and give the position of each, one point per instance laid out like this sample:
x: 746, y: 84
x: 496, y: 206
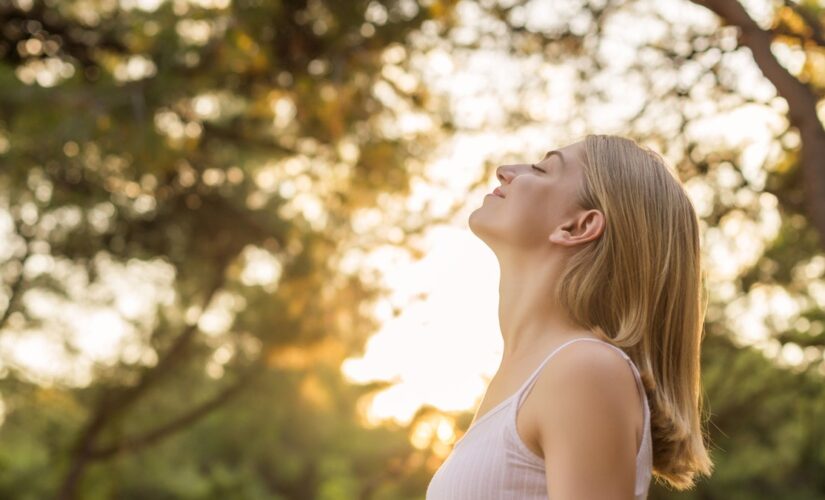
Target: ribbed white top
x: 491, y: 461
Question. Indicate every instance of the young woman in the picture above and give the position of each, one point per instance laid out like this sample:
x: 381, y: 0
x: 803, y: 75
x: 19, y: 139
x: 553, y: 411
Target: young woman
x: 598, y: 248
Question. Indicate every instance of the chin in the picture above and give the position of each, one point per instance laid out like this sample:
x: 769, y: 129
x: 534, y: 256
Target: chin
x: 473, y: 221
x: 480, y: 227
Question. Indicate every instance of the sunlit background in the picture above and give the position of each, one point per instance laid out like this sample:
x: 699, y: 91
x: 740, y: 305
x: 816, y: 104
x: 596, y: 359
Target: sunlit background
x: 491, y: 94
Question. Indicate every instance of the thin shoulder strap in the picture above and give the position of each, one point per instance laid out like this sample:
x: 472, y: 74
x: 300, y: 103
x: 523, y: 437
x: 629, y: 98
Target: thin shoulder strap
x: 645, y: 408
x: 528, y: 384
x: 525, y: 389
x: 636, y: 373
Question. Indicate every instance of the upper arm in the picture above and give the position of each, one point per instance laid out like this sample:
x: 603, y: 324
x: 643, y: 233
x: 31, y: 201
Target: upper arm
x: 586, y: 425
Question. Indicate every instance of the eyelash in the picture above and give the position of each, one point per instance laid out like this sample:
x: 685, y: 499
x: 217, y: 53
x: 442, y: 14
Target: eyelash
x: 537, y: 168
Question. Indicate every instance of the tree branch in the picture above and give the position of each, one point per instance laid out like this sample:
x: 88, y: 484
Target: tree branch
x: 138, y: 442
x: 801, y: 101
x: 17, y: 285
x: 117, y: 401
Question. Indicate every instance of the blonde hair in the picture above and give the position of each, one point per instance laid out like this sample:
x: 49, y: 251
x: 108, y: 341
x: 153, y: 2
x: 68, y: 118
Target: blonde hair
x: 641, y: 286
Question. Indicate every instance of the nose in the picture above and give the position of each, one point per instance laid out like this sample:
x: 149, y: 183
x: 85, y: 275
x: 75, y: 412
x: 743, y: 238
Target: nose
x: 504, y: 173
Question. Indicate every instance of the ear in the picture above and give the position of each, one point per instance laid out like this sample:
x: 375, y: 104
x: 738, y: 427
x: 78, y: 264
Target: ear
x: 584, y: 227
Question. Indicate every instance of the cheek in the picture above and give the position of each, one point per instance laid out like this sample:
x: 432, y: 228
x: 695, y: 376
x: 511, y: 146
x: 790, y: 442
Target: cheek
x: 533, y: 201
x: 530, y: 213
x: 534, y: 214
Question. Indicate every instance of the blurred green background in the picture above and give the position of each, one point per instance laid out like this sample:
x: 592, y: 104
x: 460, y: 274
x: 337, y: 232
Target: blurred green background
x: 193, y: 193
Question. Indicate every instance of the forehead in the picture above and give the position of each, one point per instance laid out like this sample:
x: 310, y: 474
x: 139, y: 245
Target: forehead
x: 568, y: 157
x: 557, y: 153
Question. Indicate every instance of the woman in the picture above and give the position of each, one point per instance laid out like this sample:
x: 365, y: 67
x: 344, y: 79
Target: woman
x: 598, y: 247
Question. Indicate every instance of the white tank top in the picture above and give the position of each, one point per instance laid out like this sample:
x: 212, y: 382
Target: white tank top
x: 491, y: 461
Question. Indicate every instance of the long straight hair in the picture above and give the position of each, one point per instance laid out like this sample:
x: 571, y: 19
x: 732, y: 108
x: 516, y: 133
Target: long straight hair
x: 641, y: 287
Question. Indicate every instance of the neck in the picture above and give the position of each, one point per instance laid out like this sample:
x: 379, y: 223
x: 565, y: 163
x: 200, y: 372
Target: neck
x: 531, y: 319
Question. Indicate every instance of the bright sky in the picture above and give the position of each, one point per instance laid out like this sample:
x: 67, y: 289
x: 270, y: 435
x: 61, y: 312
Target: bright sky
x: 443, y: 349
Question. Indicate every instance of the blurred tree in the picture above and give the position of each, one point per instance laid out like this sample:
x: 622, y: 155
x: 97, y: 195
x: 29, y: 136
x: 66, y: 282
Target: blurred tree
x: 799, y: 26
x: 199, y: 136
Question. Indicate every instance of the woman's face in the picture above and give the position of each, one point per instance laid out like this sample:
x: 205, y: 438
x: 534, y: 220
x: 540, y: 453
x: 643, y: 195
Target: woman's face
x: 538, y: 201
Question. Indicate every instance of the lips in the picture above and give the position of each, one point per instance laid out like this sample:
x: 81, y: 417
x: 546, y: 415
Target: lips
x: 498, y: 192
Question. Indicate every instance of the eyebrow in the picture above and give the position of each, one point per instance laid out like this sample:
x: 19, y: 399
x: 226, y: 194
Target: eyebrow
x: 554, y: 152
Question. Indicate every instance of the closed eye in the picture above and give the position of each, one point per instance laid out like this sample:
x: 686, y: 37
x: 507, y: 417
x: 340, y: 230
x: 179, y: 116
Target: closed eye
x: 537, y: 168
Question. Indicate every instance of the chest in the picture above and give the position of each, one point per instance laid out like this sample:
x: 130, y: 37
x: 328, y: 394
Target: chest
x: 489, y: 463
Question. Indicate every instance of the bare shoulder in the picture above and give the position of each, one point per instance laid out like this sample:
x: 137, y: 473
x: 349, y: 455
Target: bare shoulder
x: 586, y: 426
x: 586, y: 363
x: 582, y: 373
